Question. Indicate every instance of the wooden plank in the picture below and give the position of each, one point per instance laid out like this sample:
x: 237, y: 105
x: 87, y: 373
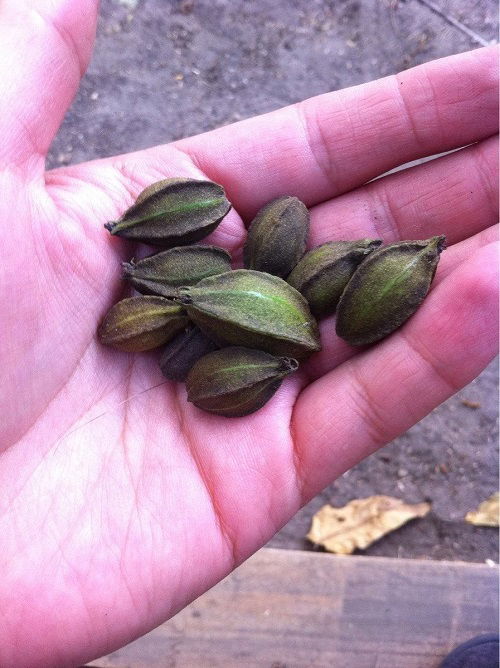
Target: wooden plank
x: 292, y: 609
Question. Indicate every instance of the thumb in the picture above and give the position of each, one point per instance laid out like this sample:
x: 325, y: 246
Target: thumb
x: 45, y: 49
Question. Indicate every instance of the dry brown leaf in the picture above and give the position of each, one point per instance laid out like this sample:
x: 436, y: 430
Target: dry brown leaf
x: 471, y: 404
x: 487, y: 513
x: 361, y: 522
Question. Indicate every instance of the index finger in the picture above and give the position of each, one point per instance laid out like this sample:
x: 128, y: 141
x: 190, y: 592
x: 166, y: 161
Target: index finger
x: 334, y: 142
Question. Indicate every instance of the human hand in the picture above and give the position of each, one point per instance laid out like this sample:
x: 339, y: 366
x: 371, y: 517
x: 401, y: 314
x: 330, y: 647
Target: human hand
x: 120, y: 505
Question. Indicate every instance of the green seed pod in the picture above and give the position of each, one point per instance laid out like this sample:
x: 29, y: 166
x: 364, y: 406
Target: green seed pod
x: 277, y: 237
x: 236, y: 381
x: 324, y: 271
x: 387, y: 289
x: 181, y: 353
x: 141, y: 323
x: 163, y: 273
x: 254, y: 309
x: 173, y: 212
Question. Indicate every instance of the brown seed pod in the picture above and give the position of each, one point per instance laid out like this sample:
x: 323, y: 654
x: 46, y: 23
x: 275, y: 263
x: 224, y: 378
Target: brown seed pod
x: 173, y: 212
x: 236, y: 381
x: 181, y: 353
x: 387, y: 289
x: 253, y: 309
x: 277, y: 237
x: 163, y: 273
x: 141, y: 323
x: 324, y: 271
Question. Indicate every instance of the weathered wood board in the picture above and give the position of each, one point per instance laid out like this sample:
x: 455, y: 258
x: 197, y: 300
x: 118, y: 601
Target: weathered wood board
x: 291, y: 609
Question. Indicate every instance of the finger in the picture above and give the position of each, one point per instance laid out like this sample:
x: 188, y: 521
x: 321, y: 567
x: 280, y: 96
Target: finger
x: 46, y: 45
x: 369, y: 400
x: 334, y: 142
x: 456, y: 195
x: 335, y: 351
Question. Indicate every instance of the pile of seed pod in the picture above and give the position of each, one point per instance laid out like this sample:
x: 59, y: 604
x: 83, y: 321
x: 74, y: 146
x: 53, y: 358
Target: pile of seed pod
x: 234, y: 335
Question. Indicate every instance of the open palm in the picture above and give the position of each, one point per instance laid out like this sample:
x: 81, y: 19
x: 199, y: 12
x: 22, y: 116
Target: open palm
x: 120, y: 501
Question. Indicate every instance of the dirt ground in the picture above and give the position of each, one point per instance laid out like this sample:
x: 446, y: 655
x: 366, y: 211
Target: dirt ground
x: 165, y: 69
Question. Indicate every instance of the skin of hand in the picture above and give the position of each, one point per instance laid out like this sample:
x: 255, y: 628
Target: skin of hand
x: 120, y: 504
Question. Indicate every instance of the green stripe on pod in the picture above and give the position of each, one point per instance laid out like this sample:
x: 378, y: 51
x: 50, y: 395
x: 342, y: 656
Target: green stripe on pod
x: 141, y: 323
x: 255, y: 310
x: 173, y: 212
x: 324, y: 271
x: 163, y: 273
x: 236, y: 381
x: 387, y: 289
